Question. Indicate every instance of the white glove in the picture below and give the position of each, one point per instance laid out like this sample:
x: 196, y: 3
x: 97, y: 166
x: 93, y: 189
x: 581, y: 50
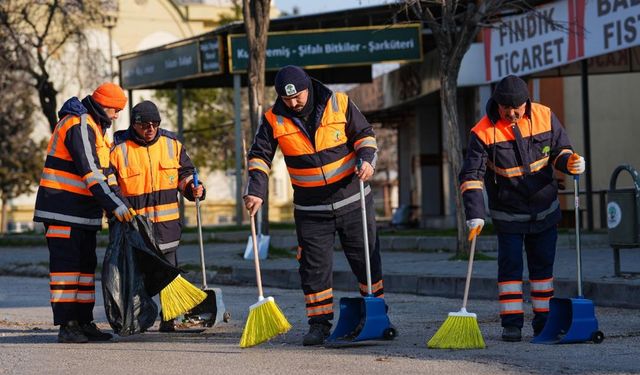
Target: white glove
x: 576, y: 164
x: 122, y: 213
x: 475, y: 227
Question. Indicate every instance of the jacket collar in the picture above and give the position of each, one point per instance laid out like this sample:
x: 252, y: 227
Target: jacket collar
x: 96, y: 112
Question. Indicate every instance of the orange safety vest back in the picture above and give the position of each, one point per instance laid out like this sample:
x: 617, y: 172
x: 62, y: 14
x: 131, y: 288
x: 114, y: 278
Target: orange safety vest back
x: 64, y: 195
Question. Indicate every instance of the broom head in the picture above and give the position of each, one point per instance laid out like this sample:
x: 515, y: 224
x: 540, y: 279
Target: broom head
x: 459, y: 331
x: 264, y: 322
x: 179, y: 297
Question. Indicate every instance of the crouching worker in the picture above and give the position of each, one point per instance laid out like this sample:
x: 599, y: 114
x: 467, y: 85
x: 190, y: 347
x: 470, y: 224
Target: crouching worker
x: 74, y: 189
x: 151, y: 167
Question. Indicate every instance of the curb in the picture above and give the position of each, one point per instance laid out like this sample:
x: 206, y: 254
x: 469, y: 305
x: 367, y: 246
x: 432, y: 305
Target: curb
x: 285, y: 239
x: 602, y: 293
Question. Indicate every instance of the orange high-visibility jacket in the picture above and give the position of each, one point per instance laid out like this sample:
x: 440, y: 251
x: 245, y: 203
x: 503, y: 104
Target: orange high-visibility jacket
x: 150, y: 175
x: 74, y: 188
x: 321, y: 166
x: 514, y: 163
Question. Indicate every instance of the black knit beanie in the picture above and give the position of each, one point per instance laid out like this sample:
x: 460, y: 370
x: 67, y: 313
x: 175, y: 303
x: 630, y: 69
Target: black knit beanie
x: 145, y: 111
x: 511, y: 91
x: 290, y: 80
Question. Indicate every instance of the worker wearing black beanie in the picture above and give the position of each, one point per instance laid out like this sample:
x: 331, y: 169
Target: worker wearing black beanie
x: 152, y: 166
x: 328, y: 146
x: 512, y: 154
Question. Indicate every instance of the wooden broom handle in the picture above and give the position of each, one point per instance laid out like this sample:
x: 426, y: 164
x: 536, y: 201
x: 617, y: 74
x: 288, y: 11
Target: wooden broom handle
x: 256, y: 261
x: 469, y: 269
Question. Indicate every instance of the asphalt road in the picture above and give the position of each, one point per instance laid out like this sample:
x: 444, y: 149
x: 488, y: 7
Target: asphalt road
x: 28, y: 342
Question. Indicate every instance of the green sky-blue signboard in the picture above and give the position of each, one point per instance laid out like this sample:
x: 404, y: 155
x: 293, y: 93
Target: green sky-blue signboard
x: 332, y: 47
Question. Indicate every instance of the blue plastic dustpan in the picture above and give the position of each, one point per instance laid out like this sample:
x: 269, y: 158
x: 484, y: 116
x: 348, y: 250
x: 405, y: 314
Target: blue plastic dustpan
x: 570, y: 320
x: 362, y: 318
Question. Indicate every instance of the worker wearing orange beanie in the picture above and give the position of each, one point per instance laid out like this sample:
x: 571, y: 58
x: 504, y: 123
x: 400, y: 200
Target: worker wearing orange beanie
x: 76, y: 186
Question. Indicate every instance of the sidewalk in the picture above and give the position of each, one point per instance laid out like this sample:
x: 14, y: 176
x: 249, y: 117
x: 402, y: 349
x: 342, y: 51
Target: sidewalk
x: 415, y: 272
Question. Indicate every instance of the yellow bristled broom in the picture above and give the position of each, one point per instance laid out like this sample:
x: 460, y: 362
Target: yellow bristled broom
x: 265, y: 319
x: 460, y: 330
x: 179, y: 297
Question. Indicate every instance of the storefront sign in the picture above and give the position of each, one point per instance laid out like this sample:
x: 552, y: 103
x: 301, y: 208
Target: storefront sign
x: 559, y: 33
x: 332, y: 47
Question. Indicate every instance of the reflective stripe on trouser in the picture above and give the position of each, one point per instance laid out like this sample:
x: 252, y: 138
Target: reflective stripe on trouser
x: 316, y: 237
x: 541, y: 293
x: 541, y: 251
x: 72, y: 264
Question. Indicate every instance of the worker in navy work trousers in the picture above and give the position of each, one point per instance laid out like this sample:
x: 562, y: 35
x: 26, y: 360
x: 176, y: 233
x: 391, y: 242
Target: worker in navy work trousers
x: 512, y: 153
x: 321, y: 134
x: 76, y: 186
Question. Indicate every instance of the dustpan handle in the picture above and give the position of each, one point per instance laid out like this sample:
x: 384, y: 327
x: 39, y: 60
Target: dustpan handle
x: 576, y: 198
x: 199, y: 220
x: 467, y: 283
x: 365, y: 233
x: 256, y: 260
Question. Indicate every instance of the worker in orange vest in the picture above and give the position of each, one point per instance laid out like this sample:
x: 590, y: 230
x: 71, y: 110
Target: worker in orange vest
x: 75, y: 187
x: 321, y: 134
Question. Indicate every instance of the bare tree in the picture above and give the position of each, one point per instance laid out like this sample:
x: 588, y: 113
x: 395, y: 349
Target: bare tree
x: 455, y: 25
x: 256, y: 23
x: 39, y: 35
x: 21, y: 158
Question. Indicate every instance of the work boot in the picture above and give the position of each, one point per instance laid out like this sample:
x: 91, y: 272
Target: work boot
x: 71, y: 333
x: 511, y: 334
x: 93, y: 333
x: 317, y: 334
x: 167, y: 326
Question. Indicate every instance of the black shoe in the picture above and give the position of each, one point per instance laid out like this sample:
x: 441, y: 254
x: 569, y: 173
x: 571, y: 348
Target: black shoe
x: 71, y: 333
x: 317, y: 334
x: 511, y: 334
x: 93, y: 333
x: 167, y: 326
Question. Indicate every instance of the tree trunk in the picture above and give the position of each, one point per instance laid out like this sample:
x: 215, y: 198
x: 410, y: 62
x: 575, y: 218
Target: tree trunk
x: 47, y: 96
x: 256, y: 23
x: 3, y: 215
x: 450, y: 120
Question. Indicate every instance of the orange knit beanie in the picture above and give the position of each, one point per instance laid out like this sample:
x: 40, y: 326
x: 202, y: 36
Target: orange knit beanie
x: 110, y: 95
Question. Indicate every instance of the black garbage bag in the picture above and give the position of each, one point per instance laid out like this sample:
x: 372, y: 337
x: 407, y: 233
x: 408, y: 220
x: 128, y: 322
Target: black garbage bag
x: 133, y: 271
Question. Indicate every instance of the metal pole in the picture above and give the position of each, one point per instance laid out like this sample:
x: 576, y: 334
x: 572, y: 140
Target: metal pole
x: 587, y: 141
x: 111, y: 76
x: 237, y: 106
x: 365, y: 236
x: 576, y: 198
x: 180, y: 125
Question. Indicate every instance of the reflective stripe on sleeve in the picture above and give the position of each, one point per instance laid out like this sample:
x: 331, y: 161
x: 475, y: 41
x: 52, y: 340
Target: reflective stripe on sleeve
x: 470, y: 185
x: 259, y: 164
x: 92, y: 165
x: 365, y: 142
